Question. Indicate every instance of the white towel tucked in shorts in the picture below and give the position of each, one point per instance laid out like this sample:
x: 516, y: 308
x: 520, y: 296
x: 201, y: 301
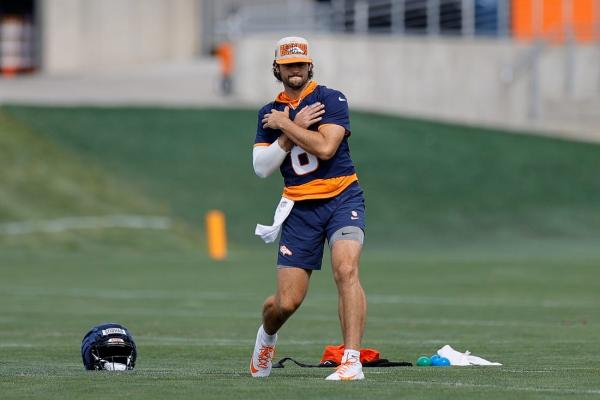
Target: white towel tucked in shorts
x: 269, y: 233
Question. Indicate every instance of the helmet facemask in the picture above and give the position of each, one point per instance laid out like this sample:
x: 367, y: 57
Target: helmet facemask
x: 114, y: 354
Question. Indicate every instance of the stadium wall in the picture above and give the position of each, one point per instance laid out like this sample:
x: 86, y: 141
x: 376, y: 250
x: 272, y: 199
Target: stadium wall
x: 453, y: 79
x: 100, y: 35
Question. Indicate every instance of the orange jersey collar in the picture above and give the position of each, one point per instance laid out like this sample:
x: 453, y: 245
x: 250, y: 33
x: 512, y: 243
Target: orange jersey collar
x: 285, y: 99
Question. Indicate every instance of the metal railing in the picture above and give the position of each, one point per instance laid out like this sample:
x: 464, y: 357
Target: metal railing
x: 418, y: 17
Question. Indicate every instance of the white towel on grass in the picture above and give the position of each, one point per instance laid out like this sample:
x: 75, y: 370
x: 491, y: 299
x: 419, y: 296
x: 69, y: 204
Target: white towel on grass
x: 269, y: 233
x: 462, y: 359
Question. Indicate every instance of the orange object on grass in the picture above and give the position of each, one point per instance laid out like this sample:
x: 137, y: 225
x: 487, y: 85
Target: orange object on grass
x: 216, y: 235
x: 335, y: 353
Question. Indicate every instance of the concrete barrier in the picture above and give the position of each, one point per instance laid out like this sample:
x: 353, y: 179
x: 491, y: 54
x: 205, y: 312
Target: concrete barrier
x: 451, y: 79
x: 108, y: 35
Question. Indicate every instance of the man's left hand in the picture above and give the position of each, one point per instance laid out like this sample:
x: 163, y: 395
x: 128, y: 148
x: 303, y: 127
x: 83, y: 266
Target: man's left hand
x: 276, y: 119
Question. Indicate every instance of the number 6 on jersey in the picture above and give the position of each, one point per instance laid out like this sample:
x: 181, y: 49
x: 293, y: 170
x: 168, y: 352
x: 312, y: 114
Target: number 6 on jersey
x: 303, y: 162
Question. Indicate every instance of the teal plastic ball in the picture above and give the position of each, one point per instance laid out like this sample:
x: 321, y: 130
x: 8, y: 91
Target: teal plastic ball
x: 423, y: 361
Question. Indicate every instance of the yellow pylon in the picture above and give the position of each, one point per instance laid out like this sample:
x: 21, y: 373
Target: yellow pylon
x: 216, y: 234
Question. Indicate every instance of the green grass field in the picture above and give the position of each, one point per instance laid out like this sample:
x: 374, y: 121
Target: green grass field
x: 479, y: 239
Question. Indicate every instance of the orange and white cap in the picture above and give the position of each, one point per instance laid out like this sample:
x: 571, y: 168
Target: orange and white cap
x: 292, y: 49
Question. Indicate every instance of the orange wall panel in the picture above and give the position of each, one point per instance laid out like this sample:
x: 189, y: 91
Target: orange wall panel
x: 522, y: 19
x: 552, y: 19
x: 583, y: 15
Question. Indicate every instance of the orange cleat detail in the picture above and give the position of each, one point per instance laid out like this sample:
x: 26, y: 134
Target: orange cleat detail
x: 351, y: 370
x: 262, y: 356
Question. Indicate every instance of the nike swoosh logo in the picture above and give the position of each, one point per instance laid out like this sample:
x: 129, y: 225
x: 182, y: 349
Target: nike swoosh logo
x: 346, y: 233
x: 341, y: 99
x: 252, y: 369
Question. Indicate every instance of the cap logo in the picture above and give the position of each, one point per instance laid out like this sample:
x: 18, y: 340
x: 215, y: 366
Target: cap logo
x: 290, y: 49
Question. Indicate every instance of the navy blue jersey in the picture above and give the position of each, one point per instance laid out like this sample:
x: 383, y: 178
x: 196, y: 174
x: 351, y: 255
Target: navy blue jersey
x: 306, y: 176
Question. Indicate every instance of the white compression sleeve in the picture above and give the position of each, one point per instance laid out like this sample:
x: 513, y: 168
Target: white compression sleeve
x: 267, y: 159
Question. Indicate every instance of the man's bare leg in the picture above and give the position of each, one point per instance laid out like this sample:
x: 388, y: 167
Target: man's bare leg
x: 345, y: 257
x: 292, y: 286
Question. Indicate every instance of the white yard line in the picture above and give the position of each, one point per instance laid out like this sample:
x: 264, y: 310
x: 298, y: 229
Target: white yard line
x: 85, y: 223
x: 505, y: 388
x: 315, y: 300
x: 475, y: 302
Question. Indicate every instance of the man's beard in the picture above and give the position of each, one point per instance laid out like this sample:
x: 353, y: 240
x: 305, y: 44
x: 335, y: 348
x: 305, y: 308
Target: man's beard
x: 296, y: 84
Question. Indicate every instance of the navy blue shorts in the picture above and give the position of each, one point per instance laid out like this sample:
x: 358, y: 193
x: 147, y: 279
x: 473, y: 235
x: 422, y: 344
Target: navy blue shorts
x: 312, y: 221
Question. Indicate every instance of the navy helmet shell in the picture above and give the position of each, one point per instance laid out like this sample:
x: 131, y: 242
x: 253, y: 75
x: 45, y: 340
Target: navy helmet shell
x: 108, y: 346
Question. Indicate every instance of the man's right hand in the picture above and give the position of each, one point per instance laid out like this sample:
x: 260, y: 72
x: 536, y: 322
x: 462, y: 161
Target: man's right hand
x: 309, y: 115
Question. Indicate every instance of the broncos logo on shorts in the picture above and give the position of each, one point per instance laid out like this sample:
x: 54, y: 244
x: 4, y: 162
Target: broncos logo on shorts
x: 285, y: 251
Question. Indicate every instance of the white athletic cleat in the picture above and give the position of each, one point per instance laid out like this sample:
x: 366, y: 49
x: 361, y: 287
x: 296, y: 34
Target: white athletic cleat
x: 262, y: 357
x: 351, y: 370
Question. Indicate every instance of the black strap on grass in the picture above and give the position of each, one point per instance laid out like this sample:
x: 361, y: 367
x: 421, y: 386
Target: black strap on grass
x: 382, y: 362
x: 279, y: 364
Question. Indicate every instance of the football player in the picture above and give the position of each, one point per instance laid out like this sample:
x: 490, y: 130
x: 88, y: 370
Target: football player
x: 304, y: 132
